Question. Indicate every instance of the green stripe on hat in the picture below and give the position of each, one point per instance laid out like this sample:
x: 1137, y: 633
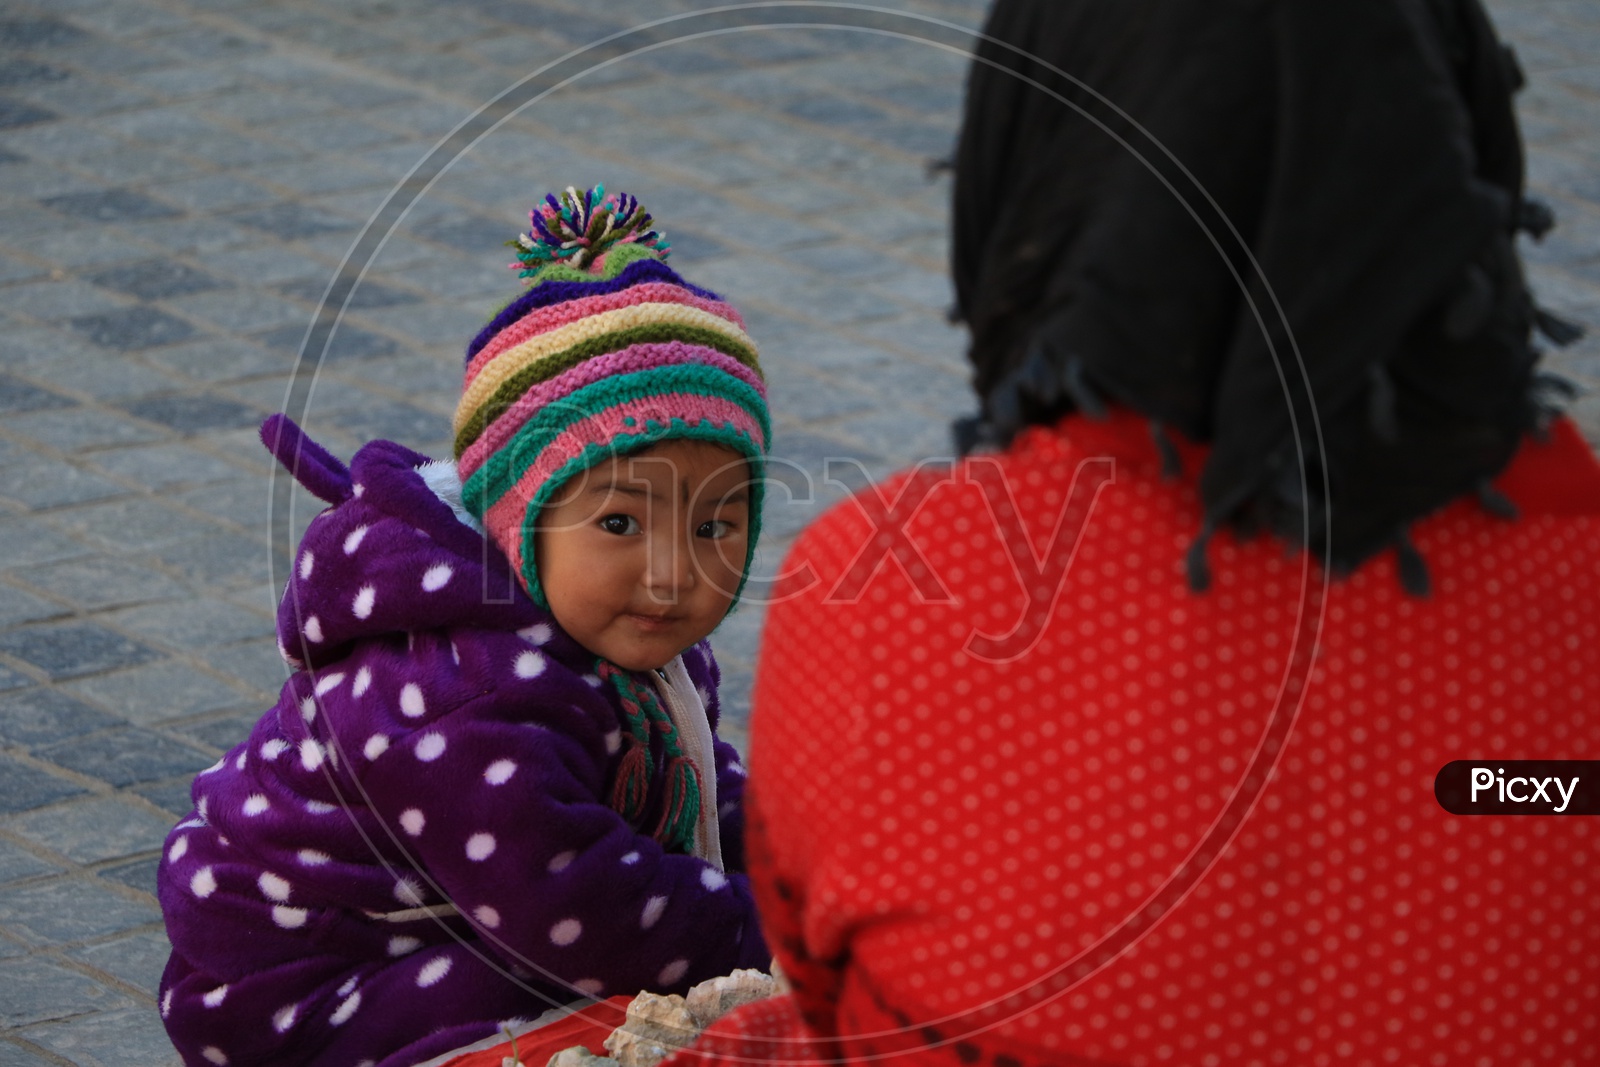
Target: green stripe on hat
x: 512, y: 389
x: 508, y: 463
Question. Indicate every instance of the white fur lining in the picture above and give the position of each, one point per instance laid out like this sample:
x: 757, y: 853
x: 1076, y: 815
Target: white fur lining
x: 441, y: 477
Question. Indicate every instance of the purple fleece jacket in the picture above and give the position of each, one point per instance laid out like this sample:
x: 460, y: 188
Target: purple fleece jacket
x: 443, y: 748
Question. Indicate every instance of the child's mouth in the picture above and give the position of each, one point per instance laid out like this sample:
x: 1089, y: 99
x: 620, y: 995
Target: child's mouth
x: 653, y: 622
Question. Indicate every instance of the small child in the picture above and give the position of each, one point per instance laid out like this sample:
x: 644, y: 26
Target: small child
x: 492, y: 784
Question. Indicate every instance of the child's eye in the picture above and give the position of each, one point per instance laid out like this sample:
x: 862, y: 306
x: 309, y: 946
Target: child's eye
x: 621, y: 525
x: 715, y: 529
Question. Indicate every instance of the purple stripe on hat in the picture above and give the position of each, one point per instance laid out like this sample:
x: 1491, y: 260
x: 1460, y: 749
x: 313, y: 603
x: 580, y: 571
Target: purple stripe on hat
x: 548, y: 293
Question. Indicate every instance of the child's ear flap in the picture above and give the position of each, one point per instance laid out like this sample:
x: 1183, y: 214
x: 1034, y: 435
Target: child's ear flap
x: 311, y: 465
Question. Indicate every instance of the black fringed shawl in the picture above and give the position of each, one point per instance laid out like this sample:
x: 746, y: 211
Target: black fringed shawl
x: 1353, y: 170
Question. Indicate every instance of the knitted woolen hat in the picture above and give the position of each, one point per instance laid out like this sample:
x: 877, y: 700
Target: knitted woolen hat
x: 608, y: 352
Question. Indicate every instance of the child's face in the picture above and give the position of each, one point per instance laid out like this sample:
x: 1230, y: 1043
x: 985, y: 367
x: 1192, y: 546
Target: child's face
x: 640, y: 556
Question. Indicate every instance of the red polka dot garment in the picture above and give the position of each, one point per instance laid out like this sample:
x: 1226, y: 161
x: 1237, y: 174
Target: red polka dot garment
x: 999, y: 823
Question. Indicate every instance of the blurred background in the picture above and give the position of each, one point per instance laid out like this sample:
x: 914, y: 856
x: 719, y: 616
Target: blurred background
x: 180, y: 180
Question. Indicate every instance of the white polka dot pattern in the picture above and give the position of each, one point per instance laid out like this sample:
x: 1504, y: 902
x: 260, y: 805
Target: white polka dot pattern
x: 959, y: 828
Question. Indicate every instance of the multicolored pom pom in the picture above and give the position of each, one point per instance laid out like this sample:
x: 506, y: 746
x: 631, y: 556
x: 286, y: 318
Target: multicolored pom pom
x: 578, y: 228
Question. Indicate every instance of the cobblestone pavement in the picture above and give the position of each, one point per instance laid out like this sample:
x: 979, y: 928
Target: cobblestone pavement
x: 180, y: 180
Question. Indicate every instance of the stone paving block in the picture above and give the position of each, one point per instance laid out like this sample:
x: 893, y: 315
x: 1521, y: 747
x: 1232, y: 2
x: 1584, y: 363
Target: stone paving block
x: 172, y: 797
x: 109, y: 205
x: 199, y: 236
x: 243, y: 502
x: 267, y: 392
x: 17, y: 395
x: 939, y: 97
x: 71, y: 649
x: 130, y: 525
x: 192, y: 623
x: 827, y: 352
x: 166, y: 124
x: 17, y: 863
x: 938, y: 392
x: 338, y: 134
x: 74, y: 429
x: 10, y: 679
x: 75, y: 98
x: 63, y: 910
x: 156, y: 279
x: 137, y: 163
x: 14, y: 113
x: 62, y: 299
x: 108, y: 56
x: 132, y: 1037
x: 465, y: 277
x: 926, y: 336
x: 17, y: 606
x: 39, y: 482
x: 747, y: 278
x: 189, y: 81
x: 224, y: 732
x: 900, y: 435
x: 88, y: 831
x: 24, y: 787
x: 164, y: 466
x: 253, y: 663
x: 137, y: 959
x: 800, y: 397
x: 132, y: 329
x: 269, y: 264
x: 30, y: 179
x: 218, y: 560
x: 140, y: 875
x: 17, y: 1056
x: 405, y: 423
x: 293, y: 221
x: 126, y: 756
x: 38, y: 989
x: 322, y: 175
x: 131, y: 20
x: 847, y: 304
x: 59, y: 141
x: 188, y: 414
x: 926, y: 288
x: 89, y: 370
x: 244, y: 310
x: 231, y: 150
x: 242, y: 448
x: 93, y: 582
x: 38, y: 717
x: 435, y: 326
x: 419, y: 118
x: 73, y: 248
x: 158, y: 692
x: 348, y: 343
x: 19, y: 218
x: 20, y: 71
x: 842, y: 259
x: 365, y: 296
x: 210, y: 45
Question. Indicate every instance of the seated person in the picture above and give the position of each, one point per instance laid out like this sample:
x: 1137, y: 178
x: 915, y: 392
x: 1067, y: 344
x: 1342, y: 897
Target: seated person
x: 1052, y: 762
x: 493, y: 784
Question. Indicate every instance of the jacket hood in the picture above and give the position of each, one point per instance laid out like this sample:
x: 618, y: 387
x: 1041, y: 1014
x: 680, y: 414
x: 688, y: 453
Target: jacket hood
x: 394, y: 553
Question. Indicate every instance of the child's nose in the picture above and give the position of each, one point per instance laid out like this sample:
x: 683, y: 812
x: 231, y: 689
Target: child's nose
x: 670, y: 569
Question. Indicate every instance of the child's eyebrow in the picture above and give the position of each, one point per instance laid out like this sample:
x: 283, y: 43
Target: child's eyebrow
x: 627, y: 488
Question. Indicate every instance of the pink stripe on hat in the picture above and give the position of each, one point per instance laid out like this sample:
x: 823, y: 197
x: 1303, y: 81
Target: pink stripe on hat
x: 545, y: 319
x: 510, y: 511
x: 633, y: 358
